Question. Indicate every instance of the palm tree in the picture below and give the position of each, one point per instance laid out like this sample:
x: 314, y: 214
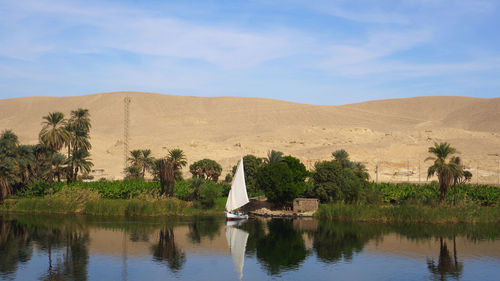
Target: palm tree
x: 135, y: 157
x: 27, y: 163
x: 446, y: 171
x: 9, y: 143
x: 178, y: 159
x: 80, y: 119
x: 274, y: 157
x: 59, y: 161
x: 342, y: 157
x: 6, y: 176
x: 133, y: 172
x: 167, y: 177
x: 147, y: 161
x: 79, y: 126
x: 8, y: 165
x: 81, y: 162
x: 141, y: 159
x: 54, y: 135
x: 361, y: 171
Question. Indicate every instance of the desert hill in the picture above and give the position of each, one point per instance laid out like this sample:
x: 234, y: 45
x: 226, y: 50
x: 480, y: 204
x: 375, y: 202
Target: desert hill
x: 393, y: 133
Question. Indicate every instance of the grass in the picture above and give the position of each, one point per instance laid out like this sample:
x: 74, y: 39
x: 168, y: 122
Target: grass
x: 107, y: 207
x: 410, y: 213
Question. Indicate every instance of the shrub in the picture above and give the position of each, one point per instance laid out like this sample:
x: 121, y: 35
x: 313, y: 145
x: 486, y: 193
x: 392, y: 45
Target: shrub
x: 183, y: 190
x: 429, y: 193
x: 332, y: 182
x: 206, y: 169
x: 283, y: 181
x: 209, y: 192
x: 40, y: 188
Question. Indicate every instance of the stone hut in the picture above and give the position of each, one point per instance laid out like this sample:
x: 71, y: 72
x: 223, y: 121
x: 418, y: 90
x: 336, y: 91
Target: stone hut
x: 305, y: 204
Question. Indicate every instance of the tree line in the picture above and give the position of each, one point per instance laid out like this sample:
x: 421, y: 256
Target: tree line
x: 22, y: 164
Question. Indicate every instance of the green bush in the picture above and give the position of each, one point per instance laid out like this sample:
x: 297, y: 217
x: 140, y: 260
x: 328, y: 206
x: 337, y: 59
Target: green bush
x: 209, y: 192
x: 331, y: 183
x: 429, y: 193
x: 283, y: 181
x: 206, y: 169
x: 40, y: 188
x: 183, y: 190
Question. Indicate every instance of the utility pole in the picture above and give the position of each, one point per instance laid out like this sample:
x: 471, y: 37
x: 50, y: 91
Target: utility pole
x: 126, y: 122
x: 376, y: 173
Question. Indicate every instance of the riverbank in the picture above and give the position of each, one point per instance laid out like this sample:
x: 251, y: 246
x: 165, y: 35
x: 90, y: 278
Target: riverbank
x: 108, y: 207
x: 410, y: 213
x: 380, y: 213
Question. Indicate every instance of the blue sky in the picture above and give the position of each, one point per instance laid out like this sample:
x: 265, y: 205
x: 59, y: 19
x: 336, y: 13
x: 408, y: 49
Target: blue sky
x: 317, y: 52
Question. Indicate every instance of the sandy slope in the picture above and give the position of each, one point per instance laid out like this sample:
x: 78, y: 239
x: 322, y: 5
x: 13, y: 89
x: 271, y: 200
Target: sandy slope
x: 389, y: 132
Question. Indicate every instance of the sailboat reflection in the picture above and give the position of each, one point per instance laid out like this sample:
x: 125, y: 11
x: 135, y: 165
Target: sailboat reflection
x: 237, y: 241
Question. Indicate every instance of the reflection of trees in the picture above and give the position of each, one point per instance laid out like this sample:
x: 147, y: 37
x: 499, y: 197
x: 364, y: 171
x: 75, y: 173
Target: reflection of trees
x: 204, y: 227
x: 15, y: 247
x: 75, y: 257
x: 334, y: 241
x: 283, y: 248
x: 255, y: 229
x: 446, y: 265
x: 167, y: 250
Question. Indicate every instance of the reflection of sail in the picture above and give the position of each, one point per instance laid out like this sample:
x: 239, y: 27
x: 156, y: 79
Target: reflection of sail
x: 237, y: 241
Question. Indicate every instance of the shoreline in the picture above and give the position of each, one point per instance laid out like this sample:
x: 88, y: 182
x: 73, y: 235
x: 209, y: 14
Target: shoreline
x: 408, y: 214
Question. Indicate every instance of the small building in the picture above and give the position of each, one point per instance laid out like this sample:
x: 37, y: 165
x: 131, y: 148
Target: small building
x: 305, y: 204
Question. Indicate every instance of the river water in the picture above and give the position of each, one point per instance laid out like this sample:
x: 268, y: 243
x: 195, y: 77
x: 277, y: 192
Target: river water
x: 206, y: 248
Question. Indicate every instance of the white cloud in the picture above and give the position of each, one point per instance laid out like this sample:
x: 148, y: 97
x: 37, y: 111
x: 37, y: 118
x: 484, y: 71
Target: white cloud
x: 377, y: 46
x: 138, y: 32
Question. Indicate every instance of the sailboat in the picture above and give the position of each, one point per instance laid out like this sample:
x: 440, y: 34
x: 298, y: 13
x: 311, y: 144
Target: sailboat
x: 238, y: 196
x: 237, y: 241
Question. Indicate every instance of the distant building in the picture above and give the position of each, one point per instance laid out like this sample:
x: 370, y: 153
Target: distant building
x: 305, y: 204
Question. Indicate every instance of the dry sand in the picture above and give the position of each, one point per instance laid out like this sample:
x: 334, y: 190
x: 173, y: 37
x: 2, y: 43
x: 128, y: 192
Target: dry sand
x: 391, y: 133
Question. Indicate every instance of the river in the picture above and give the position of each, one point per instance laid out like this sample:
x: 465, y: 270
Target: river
x: 49, y: 247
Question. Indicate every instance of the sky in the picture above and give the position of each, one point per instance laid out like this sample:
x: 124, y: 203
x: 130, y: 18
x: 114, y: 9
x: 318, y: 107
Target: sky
x: 315, y: 52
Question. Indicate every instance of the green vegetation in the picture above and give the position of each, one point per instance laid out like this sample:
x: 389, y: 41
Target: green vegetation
x: 206, y: 169
x: 282, y: 181
x: 145, y: 202
x: 447, y: 172
x: 141, y: 161
x: 429, y: 194
x: 21, y: 165
x: 410, y: 213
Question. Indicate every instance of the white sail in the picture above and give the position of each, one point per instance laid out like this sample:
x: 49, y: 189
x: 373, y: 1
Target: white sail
x: 238, y: 194
x: 237, y: 241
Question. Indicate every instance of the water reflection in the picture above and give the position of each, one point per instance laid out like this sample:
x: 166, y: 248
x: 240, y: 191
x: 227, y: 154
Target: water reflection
x: 446, y: 265
x: 282, y: 248
x: 334, y: 242
x: 166, y: 249
x: 63, y: 247
x: 14, y: 247
x: 204, y: 227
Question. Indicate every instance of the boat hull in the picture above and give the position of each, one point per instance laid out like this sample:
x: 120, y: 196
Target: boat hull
x: 231, y: 217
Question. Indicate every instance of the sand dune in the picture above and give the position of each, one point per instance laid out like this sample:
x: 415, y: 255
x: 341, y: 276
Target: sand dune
x: 391, y: 133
